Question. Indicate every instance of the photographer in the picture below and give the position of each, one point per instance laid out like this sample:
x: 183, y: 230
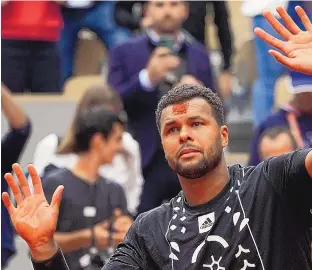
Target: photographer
x: 141, y: 71
x: 92, y: 219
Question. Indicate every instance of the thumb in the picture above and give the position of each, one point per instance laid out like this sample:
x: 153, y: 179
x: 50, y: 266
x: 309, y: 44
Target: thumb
x: 57, y: 198
x: 105, y: 225
x: 117, y: 212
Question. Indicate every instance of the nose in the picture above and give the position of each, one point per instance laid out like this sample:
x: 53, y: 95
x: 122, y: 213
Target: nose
x: 185, y: 137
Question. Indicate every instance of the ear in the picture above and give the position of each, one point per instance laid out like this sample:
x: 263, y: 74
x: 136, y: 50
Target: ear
x: 186, y: 11
x: 224, y: 132
x: 97, y: 141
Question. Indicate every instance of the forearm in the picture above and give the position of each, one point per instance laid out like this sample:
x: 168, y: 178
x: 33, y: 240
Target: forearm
x: 73, y: 240
x: 55, y: 262
x: 13, y: 112
x: 224, y: 32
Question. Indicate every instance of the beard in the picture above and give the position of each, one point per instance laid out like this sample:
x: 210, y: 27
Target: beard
x: 210, y: 160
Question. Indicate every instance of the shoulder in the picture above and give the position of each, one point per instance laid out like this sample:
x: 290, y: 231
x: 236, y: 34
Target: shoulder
x: 130, y: 44
x: 56, y: 177
x: 197, y: 47
x: 130, y: 144
x: 278, y: 117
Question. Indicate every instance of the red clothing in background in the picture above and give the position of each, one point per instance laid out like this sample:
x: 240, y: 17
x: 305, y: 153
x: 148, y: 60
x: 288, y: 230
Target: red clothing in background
x: 31, y: 20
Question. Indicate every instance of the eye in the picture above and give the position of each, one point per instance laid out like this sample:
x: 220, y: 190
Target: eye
x: 196, y: 124
x: 173, y: 129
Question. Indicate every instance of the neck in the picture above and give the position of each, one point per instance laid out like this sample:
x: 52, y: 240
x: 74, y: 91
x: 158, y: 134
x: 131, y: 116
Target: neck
x: 87, y: 167
x: 159, y: 33
x: 201, y: 190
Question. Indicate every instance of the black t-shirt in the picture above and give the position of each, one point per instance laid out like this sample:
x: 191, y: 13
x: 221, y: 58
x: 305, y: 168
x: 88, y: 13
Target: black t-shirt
x: 79, y: 198
x: 260, y: 220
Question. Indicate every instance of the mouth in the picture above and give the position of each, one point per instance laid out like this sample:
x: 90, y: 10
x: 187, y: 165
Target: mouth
x: 188, y: 152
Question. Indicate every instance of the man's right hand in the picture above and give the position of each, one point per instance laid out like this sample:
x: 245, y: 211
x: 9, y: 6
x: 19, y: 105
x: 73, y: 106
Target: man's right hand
x: 160, y: 63
x: 33, y: 218
x: 101, y: 235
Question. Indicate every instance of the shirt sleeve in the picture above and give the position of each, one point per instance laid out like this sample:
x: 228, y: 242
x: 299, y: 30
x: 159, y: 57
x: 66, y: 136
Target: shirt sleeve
x: 57, y: 262
x: 289, y: 176
x: 131, y: 253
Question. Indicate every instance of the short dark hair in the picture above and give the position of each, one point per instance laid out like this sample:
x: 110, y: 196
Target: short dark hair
x: 186, y: 92
x: 274, y: 132
x: 91, y: 121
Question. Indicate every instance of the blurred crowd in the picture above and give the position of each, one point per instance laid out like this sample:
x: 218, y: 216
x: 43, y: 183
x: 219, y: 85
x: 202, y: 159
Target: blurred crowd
x: 110, y: 158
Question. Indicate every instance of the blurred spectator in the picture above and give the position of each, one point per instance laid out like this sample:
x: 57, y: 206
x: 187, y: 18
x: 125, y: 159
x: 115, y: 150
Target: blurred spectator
x: 269, y: 70
x: 12, y: 146
x: 88, y: 215
x: 98, y: 16
x: 128, y: 14
x: 276, y: 141
x: 29, y: 54
x: 196, y: 26
x: 54, y: 152
x: 297, y: 116
x: 144, y: 68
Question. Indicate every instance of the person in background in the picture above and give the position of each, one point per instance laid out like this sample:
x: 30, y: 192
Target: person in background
x: 98, y: 16
x: 268, y: 69
x: 144, y: 68
x: 225, y: 216
x: 30, y: 59
x: 94, y: 211
x: 296, y: 116
x: 132, y: 15
x: 57, y: 152
x: 275, y: 142
x: 12, y: 145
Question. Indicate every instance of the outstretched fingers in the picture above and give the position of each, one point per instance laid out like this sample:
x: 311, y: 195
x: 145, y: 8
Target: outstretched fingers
x: 14, y: 187
x: 7, y: 203
x: 282, y: 58
x: 278, y: 44
x: 21, y: 179
x: 57, y: 198
x: 279, y: 28
x: 35, y: 180
x: 304, y: 18
x: 291, y: 25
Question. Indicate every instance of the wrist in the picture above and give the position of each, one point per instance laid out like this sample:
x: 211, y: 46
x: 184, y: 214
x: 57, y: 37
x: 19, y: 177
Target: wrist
x: 44, y: 252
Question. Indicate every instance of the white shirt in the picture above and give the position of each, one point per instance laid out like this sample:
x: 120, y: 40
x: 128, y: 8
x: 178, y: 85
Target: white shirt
x: 126, y: 172
x: 252, y: 8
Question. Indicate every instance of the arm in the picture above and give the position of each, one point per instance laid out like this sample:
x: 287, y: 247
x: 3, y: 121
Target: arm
x: 226, y: 40
x: 13, y: 143
x: 70, y: 241
x: 12, y: 111
x: 127, y: 88
x: 130, y: 254
x: 291, y: 176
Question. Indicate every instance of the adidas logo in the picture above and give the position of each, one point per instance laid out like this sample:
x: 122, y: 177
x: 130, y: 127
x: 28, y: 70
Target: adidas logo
x: 206, y: 222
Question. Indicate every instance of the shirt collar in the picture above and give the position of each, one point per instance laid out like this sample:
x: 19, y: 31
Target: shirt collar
x: 154, y: 37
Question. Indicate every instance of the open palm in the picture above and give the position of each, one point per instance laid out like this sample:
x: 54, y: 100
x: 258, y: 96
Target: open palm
x: 33, y: 218
x: 297, y: 47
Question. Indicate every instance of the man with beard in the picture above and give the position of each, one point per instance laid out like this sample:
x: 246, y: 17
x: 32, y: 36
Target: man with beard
x: 144, y: 68
x: 225, y: 218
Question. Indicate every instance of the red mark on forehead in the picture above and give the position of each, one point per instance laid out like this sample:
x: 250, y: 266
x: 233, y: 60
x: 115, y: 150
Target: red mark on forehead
x: 180, y: 108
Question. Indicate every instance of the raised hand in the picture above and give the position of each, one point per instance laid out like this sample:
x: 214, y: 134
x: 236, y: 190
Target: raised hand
x: 33, y: 218
x: 297, y: 47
